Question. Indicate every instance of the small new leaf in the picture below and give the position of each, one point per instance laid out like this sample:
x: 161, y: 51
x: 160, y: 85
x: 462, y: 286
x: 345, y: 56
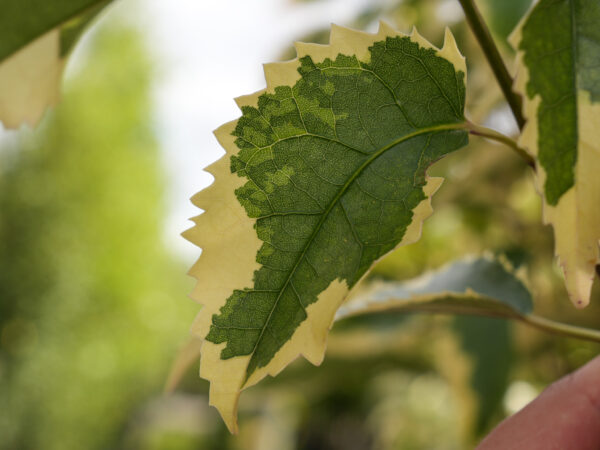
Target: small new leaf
x: 558, y: 45
x: 325, y: 172
x: 36, y: 37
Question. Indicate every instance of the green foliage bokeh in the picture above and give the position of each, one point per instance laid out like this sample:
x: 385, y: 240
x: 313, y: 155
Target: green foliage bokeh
x: 91, y: 309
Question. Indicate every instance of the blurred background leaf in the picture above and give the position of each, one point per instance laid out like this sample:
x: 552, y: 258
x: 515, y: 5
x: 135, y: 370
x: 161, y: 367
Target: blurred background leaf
x: 36, y: 38
x: 23, y: 21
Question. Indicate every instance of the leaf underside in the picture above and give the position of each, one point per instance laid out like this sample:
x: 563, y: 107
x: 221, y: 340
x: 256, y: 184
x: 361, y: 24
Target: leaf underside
x: 559, y: 76
x: 331, y: 165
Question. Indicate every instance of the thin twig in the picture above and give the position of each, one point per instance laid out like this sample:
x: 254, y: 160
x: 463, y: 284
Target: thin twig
x: 483, y: 36
x: 563, y: 329
x: 541, y: 323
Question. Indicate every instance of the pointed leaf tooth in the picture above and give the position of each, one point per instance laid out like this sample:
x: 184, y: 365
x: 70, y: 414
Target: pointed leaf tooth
x: 193, y: 234
x: 224, y: 391
x: 451, y: 52
x: 203, y: 197
x: 281, y: 74
x: 248, y: 100
x: 386, y: 29
x: 347, y: 41
x: 415, y: 36
x: 214, y: 167
x: 308, y: 48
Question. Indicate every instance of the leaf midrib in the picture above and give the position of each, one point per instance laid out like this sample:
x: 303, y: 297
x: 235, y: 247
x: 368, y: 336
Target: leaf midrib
x: 334, y: 201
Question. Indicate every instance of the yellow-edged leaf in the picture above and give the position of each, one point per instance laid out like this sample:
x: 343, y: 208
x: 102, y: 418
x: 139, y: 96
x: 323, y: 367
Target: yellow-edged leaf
x: 325, y: 172
x: 558, y: 45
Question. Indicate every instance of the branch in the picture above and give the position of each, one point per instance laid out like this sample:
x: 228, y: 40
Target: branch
x: 483, y: 36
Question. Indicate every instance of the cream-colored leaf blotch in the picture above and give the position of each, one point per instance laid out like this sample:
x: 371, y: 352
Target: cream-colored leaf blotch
x: 576, y: 216
x: 230, y: 244
x: 30, y: 81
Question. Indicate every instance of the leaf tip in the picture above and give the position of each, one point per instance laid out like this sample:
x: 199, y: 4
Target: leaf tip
x: 225, y: 376
x: 579, y: 283
x: 227, y: 405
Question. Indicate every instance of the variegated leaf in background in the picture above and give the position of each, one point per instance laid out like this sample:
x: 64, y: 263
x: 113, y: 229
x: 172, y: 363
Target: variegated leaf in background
x: 558, y: 45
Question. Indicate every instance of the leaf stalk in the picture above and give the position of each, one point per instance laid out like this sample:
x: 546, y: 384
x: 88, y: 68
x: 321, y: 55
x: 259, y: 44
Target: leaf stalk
x: 478, y: 130
x: 560, y: 328
x: 541, y: 323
